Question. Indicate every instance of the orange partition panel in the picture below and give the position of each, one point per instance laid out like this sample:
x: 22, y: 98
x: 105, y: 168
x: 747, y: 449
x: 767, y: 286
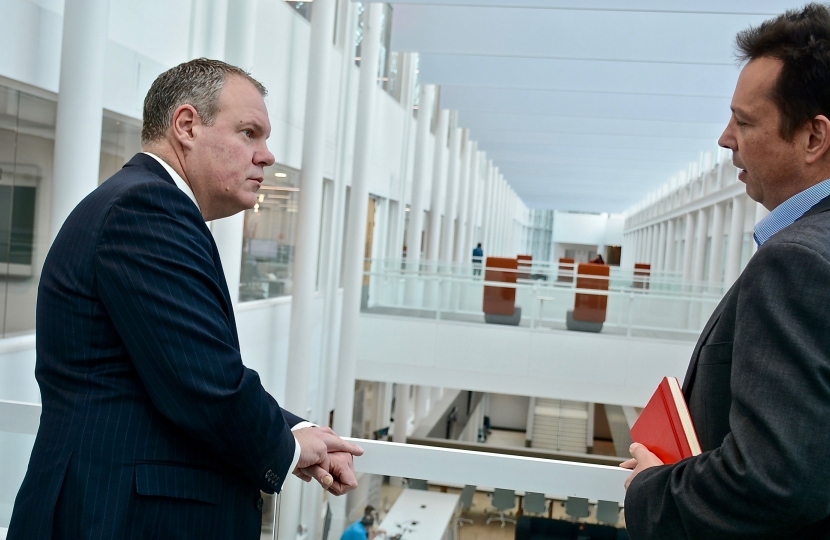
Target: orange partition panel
x: 525, y: 263
x: 642, y: 271
x: 500, y: 300
x: 591, y: 307
x: 566, y: 270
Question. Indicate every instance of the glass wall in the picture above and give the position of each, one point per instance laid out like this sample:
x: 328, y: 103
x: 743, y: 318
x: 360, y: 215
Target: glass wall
x: 27, y: 135
x: 269, y: 237
x: 120, y: 141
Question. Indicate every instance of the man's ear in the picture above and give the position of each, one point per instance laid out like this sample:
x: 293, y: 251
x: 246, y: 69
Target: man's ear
x: 185, y: 119
x: 818, y: 141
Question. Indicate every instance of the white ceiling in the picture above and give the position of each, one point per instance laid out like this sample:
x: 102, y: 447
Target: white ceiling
x: 583, y: 104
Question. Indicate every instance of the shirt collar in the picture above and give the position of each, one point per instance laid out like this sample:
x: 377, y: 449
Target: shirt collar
x: 180, y: 183
x: 788, y: 212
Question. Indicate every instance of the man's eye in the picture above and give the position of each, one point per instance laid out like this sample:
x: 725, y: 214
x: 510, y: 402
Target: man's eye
x: 249, y: 133
x: 740, y: 124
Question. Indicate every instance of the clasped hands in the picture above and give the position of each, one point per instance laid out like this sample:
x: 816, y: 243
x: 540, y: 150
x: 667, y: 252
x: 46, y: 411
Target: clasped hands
x: 327, y: 458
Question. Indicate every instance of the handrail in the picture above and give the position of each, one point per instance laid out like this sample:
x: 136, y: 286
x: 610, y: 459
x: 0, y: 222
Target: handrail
x: 522, y: 473
x: 553, y: 477
x: 19, y: 417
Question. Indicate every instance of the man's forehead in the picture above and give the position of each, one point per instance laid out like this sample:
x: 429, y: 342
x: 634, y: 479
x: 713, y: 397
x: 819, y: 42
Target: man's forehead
x: 755, y: 83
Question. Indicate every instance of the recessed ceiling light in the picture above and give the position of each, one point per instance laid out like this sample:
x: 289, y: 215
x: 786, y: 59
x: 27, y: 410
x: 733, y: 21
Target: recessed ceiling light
x: 280, y: 175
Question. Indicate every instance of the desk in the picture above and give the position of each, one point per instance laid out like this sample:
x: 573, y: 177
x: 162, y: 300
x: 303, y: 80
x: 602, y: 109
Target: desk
x: 421, y: 515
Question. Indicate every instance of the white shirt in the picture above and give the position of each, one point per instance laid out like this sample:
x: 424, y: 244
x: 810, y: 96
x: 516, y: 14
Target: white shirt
x: 182, y: 185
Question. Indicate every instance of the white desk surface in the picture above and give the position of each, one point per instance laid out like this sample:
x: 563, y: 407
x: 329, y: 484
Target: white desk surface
x: 420, y: 515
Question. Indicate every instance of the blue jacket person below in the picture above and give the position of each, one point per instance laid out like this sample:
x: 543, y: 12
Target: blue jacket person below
x: 151, y: 425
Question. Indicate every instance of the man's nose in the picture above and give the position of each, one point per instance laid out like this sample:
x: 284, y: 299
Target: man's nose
x: 727, y: 140
x: 265, y: 158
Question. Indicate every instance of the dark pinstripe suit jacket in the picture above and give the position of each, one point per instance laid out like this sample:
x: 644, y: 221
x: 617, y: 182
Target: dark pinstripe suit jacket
x: 758, y: 389
x: 151, y: 425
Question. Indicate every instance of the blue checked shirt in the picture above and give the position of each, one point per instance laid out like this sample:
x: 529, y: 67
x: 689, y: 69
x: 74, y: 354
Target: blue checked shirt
x: 789, y: 211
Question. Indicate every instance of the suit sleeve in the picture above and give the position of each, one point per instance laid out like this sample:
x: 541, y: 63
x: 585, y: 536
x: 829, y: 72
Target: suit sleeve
x: 769, y: 478
x: 157, y: 279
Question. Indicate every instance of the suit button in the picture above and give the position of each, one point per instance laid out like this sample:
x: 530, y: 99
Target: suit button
x: 259, y: 503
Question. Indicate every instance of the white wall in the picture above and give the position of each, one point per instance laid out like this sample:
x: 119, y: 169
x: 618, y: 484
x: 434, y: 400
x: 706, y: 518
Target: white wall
x: 507, y: 411
x: 555, y: 364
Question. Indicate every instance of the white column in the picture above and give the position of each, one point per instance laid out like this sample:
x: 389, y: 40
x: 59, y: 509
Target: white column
x: 688, y: 246
x: 661, y: 248
x: 420, y: 178
x: 439, y: 174
x: 356, y: 228
x: 466, y: 249
x: 306, y: 250
x: 700, y: 245
x: 736, y: 241
x: 207, y: 29
x: 484, y: 207
x: 80, y: 107
x: 716, y: 258
x: 309, y: 211
x: 239, y: 47
x: 649, y: 245
x: 466, y: 193
x: 421, y: 403
x: 401, y: 419
x: 228, y: 232
x: 670, y: 263
x: 457, y: 137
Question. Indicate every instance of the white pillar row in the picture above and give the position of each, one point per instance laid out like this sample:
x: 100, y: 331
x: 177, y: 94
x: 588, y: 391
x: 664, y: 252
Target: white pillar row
x: 502, y: 200
x: 228, y: 232
x: 439, y: 174
x: 307, y: 246
x: 669, y: 264
x: 473, y: 192
x: 655, y: 239
x: 716, y: 258
x: 420, y: 179
x: 736, y: 241
x: 649, y: 244
x: 700, y: 245
x: 486, y: 201
x: 80, y: 107
x: 487, y: 216
x: 492, y: 213
x: 465, y: 199
x: 661, y: 248
x: 457, y: 136
x: 688, y: 246
x: 356, y: 227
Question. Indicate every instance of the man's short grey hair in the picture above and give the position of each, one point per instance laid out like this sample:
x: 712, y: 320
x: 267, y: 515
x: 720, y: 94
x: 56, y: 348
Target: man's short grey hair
x: 198, y: 83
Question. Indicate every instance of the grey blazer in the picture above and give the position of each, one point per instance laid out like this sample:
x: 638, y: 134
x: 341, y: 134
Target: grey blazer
x: 758, y: 389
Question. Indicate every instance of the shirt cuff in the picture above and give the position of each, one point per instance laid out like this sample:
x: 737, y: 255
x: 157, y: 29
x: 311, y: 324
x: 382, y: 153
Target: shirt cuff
x: 297, y: 449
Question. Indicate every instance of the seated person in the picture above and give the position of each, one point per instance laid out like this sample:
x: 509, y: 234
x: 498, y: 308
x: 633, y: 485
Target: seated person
x: 364, y: 528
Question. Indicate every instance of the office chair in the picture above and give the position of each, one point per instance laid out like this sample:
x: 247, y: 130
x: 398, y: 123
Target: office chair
x: 503, y: 499
x: 415, y: 483
x: 534, y: 503
x: 577, y: 507
x: 608, y: 512
x: 465, y: 502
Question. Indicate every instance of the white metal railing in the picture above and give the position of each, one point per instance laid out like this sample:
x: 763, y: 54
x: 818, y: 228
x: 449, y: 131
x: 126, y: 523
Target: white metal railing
x: 452, y: 466
x: 630, y: 310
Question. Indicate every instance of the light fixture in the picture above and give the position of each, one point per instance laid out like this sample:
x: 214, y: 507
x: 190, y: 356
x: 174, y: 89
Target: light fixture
x: 407, y: 209
x: 280, y: 175
x: 284, y: 197
x: 261, y: 198
x: 256, y: 208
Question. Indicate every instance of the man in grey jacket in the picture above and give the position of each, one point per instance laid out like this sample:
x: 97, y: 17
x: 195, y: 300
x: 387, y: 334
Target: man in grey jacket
x: 758, y: 385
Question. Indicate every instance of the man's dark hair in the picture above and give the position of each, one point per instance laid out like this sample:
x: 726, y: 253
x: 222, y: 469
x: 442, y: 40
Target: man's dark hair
x: 800, y: 39
x: 198, y: 83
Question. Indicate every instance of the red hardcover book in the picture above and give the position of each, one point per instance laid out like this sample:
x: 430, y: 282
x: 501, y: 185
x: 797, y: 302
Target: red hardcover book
x: 665, y: 425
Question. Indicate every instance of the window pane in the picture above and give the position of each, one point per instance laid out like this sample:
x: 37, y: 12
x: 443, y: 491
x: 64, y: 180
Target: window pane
x: 120, y: 141
x: 27, y: 133
x: 269, y: 236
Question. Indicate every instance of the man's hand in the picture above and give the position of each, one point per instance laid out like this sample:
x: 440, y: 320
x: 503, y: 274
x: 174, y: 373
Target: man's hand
x: 316, y: 444
x: 641, y: 460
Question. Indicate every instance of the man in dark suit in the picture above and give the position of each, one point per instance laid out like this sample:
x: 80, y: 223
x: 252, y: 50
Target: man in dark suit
x: 151, y: 425
x: 758, y: 385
